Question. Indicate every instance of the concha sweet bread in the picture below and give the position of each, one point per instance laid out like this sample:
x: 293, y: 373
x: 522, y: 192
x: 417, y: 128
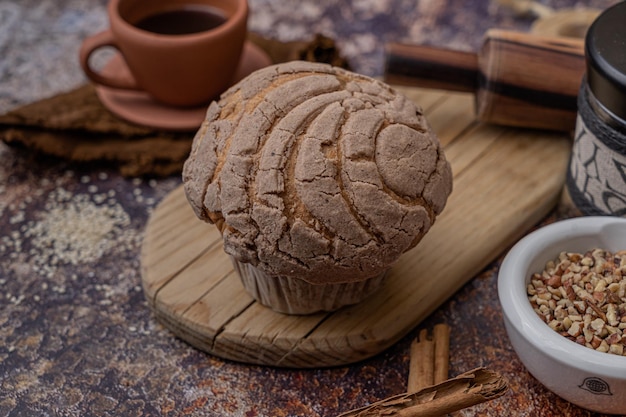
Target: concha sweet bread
x: 319, y: 179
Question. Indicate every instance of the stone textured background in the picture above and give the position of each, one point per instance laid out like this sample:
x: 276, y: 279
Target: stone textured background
x: 76, y: 335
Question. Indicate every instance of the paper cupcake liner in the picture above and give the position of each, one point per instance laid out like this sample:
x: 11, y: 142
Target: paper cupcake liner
x: 296, y: 296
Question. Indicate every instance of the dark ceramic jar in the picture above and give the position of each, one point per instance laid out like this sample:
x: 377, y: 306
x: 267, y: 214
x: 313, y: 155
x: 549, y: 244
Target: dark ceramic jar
x: 596, y: 179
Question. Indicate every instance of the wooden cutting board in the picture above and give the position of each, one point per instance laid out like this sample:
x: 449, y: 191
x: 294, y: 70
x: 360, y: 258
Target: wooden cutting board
x: 505, y: 181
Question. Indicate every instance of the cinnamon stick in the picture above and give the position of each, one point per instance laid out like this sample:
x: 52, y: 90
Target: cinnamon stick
x: 470, y: 388
x: 422, y: 363
x: 429, y: 359
x: 441, y: 336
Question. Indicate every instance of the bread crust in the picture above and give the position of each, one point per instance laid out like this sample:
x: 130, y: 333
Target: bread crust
x: 314, y: 172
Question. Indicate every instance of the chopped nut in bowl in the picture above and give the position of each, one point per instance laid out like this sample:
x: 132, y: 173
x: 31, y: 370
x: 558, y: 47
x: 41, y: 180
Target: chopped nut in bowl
x: 562, y: 290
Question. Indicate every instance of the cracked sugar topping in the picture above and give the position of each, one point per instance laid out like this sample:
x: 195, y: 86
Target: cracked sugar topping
x: 316, y: 172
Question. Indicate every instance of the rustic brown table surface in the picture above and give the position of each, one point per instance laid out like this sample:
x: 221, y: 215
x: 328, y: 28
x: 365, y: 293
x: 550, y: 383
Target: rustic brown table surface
x: 76, y: 334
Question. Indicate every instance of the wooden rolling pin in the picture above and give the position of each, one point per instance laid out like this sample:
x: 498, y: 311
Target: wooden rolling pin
x: 519, y: 79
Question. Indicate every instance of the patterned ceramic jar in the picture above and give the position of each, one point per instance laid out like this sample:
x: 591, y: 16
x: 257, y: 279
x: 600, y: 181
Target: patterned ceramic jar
x: 596, y: 179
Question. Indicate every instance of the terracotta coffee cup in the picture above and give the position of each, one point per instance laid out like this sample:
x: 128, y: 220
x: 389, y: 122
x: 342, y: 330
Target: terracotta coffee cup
x: 180, y: 52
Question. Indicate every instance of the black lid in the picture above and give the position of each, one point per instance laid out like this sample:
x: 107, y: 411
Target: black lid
x: 605, y: 49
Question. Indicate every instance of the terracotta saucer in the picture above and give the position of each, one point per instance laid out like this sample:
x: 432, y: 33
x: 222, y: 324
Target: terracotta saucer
x: 138, y: 107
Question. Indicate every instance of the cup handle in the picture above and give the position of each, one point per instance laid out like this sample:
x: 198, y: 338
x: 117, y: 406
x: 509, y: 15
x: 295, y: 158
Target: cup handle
x: 88, y: 47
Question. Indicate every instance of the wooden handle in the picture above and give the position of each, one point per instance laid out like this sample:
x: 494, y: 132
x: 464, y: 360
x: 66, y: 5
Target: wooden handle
x: 426, y: 66
x: 529, y: 80
x: 520, y: 79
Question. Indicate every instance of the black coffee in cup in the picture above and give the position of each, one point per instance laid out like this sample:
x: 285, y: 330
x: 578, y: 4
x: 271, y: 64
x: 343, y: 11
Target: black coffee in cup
x: 183, y: 21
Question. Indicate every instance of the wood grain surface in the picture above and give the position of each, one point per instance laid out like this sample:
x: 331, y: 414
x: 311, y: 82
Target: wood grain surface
x: 505, y: 181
